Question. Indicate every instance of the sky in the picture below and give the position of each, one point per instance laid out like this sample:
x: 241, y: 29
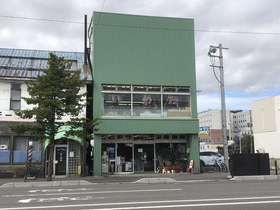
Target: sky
x: 250, y: 29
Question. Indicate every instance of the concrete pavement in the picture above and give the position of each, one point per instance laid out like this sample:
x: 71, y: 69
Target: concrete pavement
x: 116, y: 178
x: 131, y: 178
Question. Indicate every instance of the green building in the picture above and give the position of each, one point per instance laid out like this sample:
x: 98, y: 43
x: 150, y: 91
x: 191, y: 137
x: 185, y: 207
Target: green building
x: 144, y: 93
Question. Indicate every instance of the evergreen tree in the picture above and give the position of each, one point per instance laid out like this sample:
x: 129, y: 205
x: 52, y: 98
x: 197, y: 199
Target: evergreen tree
x: 54, y: 95
x: 246, y: 142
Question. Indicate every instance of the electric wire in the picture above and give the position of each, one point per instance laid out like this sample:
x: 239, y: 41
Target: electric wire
x: 98, y: 20
x: 153, y: 28
x: 212, y: 60
x: 41, y: 19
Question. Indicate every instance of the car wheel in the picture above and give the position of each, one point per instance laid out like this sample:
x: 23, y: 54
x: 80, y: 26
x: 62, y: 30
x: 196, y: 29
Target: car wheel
x: 202, y: 164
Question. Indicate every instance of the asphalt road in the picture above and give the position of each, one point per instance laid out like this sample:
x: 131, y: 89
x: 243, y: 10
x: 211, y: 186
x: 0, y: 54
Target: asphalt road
x: 180, y: 195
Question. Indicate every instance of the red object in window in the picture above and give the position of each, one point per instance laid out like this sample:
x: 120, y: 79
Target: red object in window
x: 147, y: 100
x: 116, y: 99
x: 173, y: 100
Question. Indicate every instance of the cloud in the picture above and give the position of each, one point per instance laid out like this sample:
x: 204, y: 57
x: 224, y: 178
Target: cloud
x: 251, y: 65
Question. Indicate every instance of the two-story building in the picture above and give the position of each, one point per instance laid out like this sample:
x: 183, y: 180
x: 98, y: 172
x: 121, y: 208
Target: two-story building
x: 16, y: 67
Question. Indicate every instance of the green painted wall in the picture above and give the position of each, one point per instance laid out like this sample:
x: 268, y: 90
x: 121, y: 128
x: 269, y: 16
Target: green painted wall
x: 147, y: 126
x: 142, y: 50
x: 132, y: 49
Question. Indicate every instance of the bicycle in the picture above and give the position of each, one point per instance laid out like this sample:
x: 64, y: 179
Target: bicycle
x: 220, y: 167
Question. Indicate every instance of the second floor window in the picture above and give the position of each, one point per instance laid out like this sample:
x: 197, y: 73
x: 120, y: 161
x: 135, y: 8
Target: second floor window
x: 146, y: 101
x: 15, y: 103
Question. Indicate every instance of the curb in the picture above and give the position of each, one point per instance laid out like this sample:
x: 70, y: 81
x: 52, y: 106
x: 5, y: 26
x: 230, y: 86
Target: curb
x: 46, y: 184
x: 154, y: 181
x: 255, y: 178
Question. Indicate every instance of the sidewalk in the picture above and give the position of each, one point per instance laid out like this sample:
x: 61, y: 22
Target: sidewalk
x: 132, y: 178
x: 116, y: 178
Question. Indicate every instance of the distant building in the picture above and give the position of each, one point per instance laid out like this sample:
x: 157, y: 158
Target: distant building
x: 211, y: 126
x: 239, y: 123
x: 266, y: 124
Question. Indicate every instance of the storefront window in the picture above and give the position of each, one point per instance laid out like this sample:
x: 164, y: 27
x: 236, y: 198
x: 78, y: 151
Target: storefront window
x: 171, y: 156
x: 37, y: 152
x: 124, y: 157
x: 176, y: 105
x: 117, y: 104
x: 4, y: 149
x: 146, y: 101
x: 146, y: 105
x: 21, y: 148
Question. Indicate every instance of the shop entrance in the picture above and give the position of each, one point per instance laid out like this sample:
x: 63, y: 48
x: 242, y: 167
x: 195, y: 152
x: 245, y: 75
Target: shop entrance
x: 60, y: 160
x: 120, y: 157
x: 145, y: 153
x: 144, y: 157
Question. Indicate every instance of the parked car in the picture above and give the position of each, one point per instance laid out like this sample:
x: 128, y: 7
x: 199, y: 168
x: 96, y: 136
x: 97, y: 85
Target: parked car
x: 209, y: 158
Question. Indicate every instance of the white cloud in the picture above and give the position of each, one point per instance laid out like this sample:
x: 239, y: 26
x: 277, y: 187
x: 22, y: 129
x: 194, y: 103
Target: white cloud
x: 251, y: 65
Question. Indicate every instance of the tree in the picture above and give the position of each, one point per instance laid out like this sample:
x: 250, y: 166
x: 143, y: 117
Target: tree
x: 246, y: 142
x: 53, y: 95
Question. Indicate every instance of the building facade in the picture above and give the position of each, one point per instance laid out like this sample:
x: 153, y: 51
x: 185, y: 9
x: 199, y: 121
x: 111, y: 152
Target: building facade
x: 211, y: 127
x: 144, y: 93
x: 239, y: 123
x: 16, y: 67
x: 266, y: 125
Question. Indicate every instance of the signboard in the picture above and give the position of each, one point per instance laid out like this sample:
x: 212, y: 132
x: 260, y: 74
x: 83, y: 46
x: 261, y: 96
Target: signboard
x: 3, y: 146
x: 203, y: 130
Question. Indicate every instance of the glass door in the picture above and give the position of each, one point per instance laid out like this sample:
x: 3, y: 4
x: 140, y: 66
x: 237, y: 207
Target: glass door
x: 143, y: 158
x: 60, y: 160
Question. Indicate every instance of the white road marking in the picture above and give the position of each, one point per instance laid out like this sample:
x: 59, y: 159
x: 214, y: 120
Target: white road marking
x: 25, y: 200
x: 59, y: 190
x: 219, y: 202
x: 188, y: 205
x: 91, y: 192
x: 41, y: 200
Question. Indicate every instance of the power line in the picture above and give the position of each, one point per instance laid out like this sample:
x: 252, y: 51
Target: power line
x: 239, y: 32
x: 40, y: 19
x: 103, y: 4
x: 153, y: 28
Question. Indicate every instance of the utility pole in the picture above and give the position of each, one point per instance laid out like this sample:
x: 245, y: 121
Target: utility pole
x: 251, y: 133
x: 213, y: 50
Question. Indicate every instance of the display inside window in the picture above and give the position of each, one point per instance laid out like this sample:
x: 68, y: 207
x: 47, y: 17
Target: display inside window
x: 146, y: 101
x: 146, y: 105
x: 117, y: 104
x: 176, y: 105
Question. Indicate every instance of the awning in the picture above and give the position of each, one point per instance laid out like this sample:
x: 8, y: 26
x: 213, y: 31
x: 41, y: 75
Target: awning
x: 62, y: 134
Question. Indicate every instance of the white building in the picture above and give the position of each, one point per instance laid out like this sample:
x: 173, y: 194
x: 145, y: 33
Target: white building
x: 238, y: 123
x: 241, y: 124
x: 266, y: 124
x: 16, y: 67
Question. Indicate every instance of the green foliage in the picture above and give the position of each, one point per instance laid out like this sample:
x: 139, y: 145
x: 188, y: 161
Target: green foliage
x: 52, y: 96
x: 246, y: 142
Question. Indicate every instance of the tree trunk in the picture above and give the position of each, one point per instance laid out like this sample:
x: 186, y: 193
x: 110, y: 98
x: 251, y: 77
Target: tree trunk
x: 50, y: 161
